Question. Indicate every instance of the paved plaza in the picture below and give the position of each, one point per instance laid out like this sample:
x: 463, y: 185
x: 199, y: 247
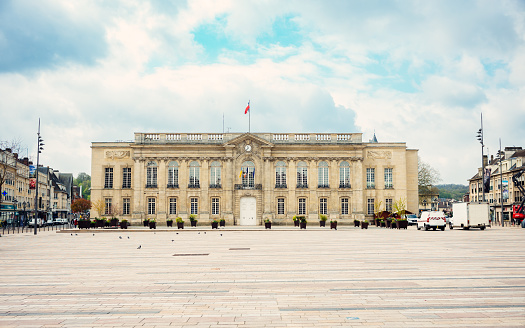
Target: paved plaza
x: 260, y: 278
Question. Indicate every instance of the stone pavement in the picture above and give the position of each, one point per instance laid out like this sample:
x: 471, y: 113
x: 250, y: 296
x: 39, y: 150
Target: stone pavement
x: 256, y: 278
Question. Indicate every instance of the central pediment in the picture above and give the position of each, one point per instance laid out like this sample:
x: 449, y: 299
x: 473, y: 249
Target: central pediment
x: 248, y: 139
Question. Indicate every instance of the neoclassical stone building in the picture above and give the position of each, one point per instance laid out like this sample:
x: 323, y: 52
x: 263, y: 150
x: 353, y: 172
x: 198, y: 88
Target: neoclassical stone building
x: 247, y: 178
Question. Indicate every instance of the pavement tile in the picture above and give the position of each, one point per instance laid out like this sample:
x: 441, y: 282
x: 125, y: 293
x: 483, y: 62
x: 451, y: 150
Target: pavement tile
x: 287, y: 278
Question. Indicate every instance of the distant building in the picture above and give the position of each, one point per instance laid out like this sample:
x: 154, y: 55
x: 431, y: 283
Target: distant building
x: 501, y: 190
x: 246, y: 178
x: 18, y: 187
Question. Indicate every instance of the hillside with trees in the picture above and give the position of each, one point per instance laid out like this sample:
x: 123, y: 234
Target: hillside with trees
x: 452, y: 191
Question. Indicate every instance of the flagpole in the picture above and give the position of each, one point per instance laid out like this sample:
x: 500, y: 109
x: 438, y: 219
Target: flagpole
x: 249, y: 120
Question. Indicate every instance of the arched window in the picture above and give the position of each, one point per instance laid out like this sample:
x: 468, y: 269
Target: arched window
x: 280, y: 175
x: 173, y: 175
x: 344, y: 175
x: 194, y: 175
x: 302, y: 175
x: 151, y: 175
x: 215, y: 175
x: 248, y: 174
x: 323, y: 175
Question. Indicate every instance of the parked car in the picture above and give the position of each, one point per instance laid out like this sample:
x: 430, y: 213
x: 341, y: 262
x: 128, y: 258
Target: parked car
x: 412, y: 219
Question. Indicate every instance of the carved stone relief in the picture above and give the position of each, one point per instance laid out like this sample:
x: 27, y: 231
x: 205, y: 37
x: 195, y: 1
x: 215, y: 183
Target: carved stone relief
x: 379, y: 154
x: 117, y: 154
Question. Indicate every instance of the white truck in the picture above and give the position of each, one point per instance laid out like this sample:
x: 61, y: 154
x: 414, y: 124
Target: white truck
x: 470, y: 215
x: 432, y: 220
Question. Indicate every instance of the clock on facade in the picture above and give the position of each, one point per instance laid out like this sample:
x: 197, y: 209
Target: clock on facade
x: 248, y: 148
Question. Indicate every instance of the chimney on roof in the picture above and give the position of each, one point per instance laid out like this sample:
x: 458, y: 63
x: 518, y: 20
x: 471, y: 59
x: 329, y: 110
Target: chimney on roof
x: 492, y: 158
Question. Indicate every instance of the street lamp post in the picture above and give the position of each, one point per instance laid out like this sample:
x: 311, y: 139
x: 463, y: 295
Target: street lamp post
x: 480, y: 139
x: 24, y: 218
x: 500, y: 157
x: 15, y: 208
x: 39, y: 150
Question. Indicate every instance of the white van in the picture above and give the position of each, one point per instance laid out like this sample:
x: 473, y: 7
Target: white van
x: 470, y: 215
x: 432, y: 220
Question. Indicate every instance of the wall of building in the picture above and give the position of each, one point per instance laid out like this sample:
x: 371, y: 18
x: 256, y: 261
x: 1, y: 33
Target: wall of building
x: 266, y: 150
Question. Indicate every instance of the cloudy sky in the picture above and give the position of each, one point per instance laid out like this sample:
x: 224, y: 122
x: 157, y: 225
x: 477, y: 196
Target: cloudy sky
x: 419, y: 72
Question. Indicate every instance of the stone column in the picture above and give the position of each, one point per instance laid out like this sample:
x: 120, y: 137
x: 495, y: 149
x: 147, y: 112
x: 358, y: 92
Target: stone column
x: 183, y: 202
x: 161, y: 184
x: 138, y: 180
x: 358, y: 178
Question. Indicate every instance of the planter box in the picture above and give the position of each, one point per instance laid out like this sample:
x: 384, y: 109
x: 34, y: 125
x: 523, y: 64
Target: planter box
x: 302, y: 225
x: 296, y: 223
x: 123, y: 225
x: 114, y: 222
x: 402, y: 224
x: 215, y: 225
x: 84, y: 224
x: 180, y: 225
x: 333, y: 225
x: 357, y: 223
x: 322, y: 223
x: 145, y: 222
x: 169, y: 223
x: 193, y: 223
x: 364, y: 225
x: 100, y: 223
x: 267, y: 225
x: 222, y: 223
x: 153, y: 225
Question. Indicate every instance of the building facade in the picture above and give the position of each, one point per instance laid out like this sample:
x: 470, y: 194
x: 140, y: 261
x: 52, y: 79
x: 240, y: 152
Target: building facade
x: 247, y: 178
x: 17, y: 191
x: 501, y: 193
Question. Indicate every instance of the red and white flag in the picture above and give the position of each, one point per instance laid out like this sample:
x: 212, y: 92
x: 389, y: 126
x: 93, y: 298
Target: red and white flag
x: 247, y: 108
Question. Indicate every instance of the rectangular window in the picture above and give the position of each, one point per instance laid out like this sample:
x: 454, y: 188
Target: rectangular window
x: 151, y: 177
x: 344, y: 206
x: 370, y: 178
x: 389, y: 182
x: 302, y: 206
x: 215, y: 206
x: 215, y: 177
x: 280, y: 177
x: 388, y: 204
x: 370, y: 206
x: 323, y: 206
x: 302, y: 175
x: 280, y: 206
x: 108, y: 178
x: 173, y: 177
x: 126, y: 177
x: 126, y: 204
x: 151, y: 205
x: 173, y: 206
x: 107, y: 202
x: 194, y: 202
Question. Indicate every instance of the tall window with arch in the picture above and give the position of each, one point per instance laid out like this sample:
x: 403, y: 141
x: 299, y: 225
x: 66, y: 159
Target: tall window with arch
x: 344, y: 175
x: 302, y: 175
x: 194, y: 175
x: 151, y: 175
x: 248, y: 174
x: 215, y: 175
x: 323, y: 175
x: 280, y: 175
x: 173, y: 174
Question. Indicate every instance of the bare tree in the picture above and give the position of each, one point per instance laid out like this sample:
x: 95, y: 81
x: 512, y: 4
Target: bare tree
x: 427, y: 177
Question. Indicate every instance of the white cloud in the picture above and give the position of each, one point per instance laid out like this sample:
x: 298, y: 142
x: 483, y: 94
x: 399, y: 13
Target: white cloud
x: 152, y: 76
